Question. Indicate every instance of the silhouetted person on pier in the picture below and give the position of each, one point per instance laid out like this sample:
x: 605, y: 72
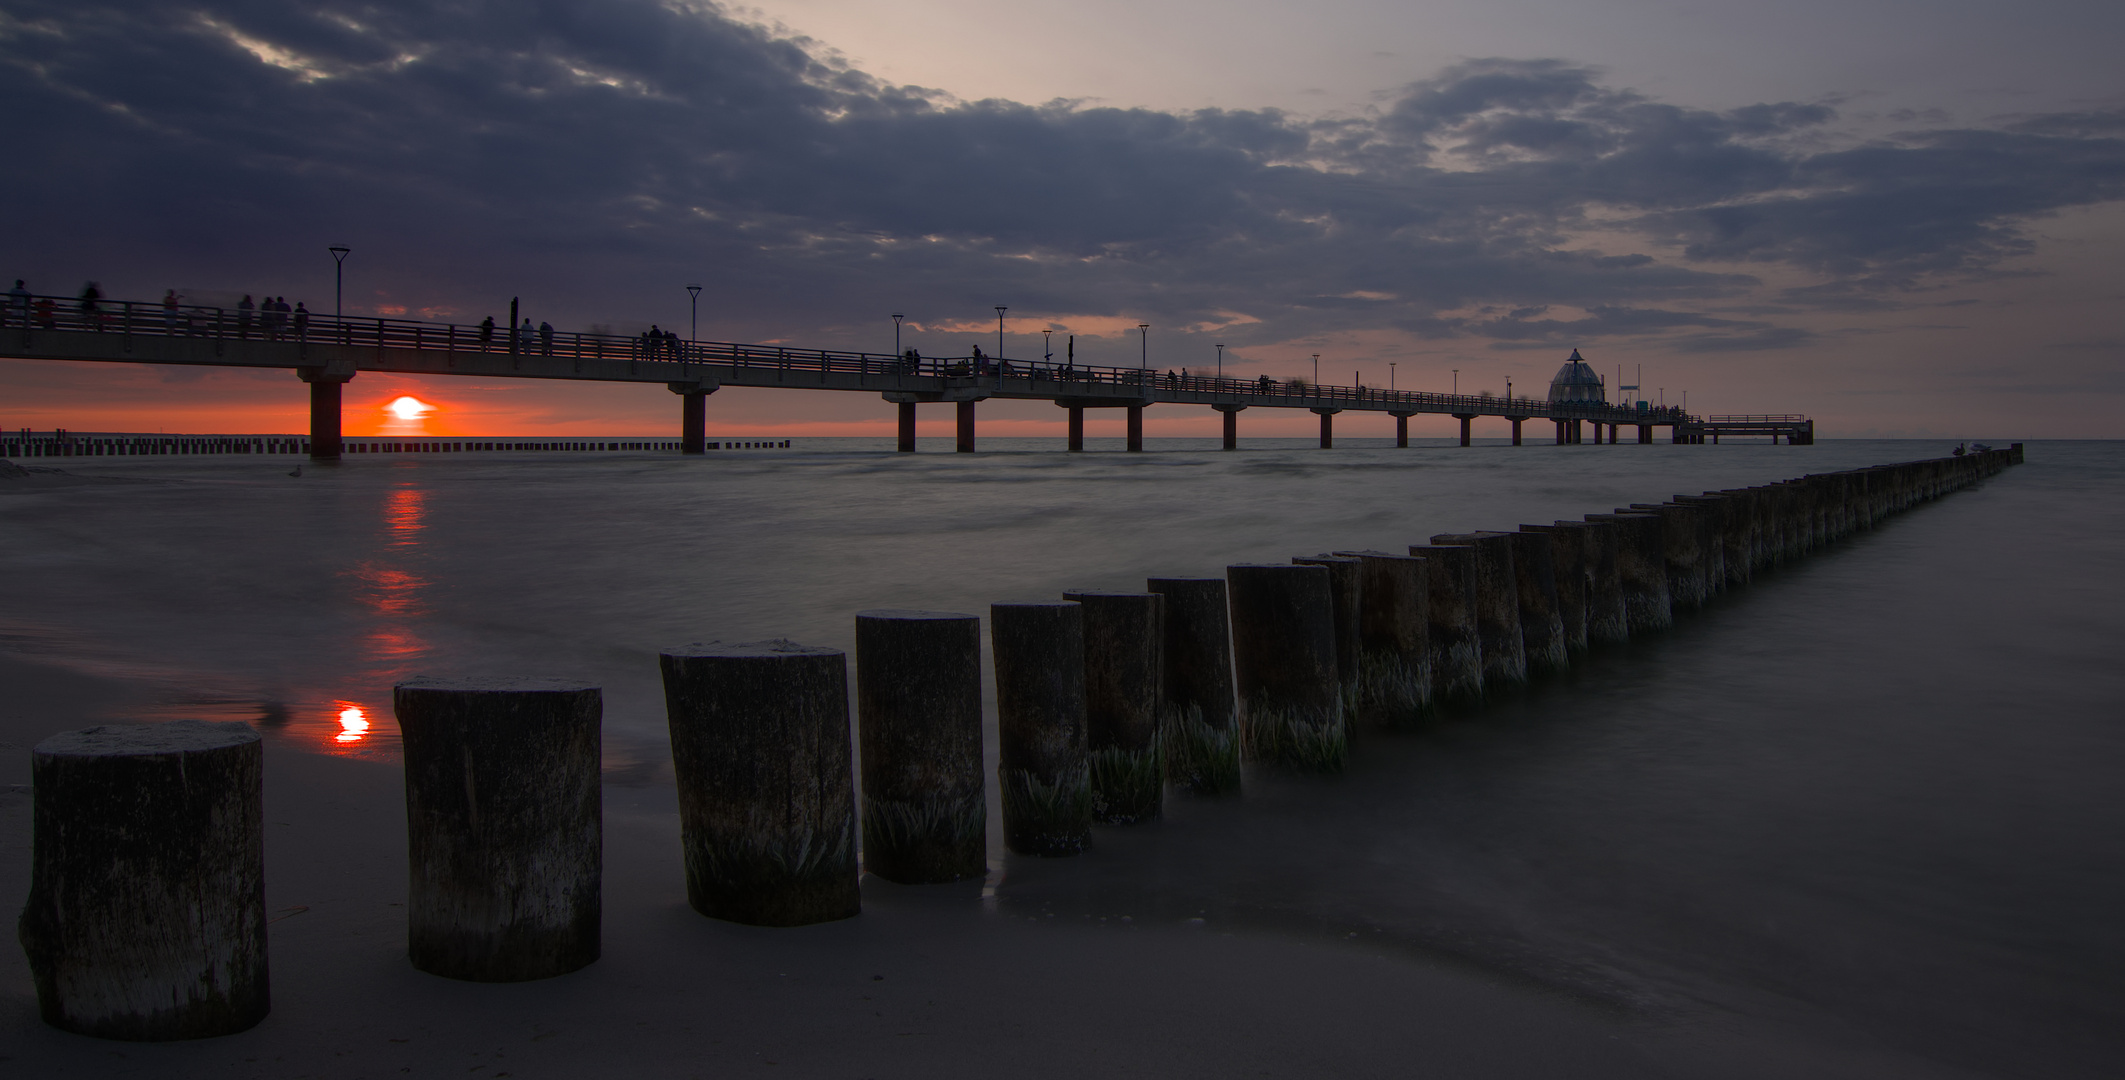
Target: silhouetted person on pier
x: 524, y: 335
x: 18, y: 301
x: 911, y: 362
x: 244, y: 308
x: 486, y: 332
x: 169, y: 311
x: 91, y: 314
x: 545, y: 338
x: 302, y: 321
x: 656, y: 341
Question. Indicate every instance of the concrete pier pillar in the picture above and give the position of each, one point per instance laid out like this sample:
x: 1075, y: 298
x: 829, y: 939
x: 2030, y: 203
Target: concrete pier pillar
x: 767, y: 799
x: 1198, y: 714
x: 1328, y: 428
x: 1613, y: 428
x: 1394, y: 661
x: 325, y: 393
x: 918, y: 723
x: 966, y: 427
x: 146, y: 917
x: 1516, y: 431
x: 693, y: 423
x: 1038, y: 650
x: 1402, y: 430
x: 1450, y: 606
x: 1346, y: 589
x: 1645, y: 433
x: 907, y: 427
x: 1497, y: 606
x: 1135, y: 428
x: 1284, y: 660
x: 1232, y: 424
x: 1124, y: 639
x: 1465, y: 418
x: 1077, y: 429
x: 1641, y: 570
x: 1568, y: 572
x: 1561, y: 434
x: 1542, y: 635
x: 504, y: 826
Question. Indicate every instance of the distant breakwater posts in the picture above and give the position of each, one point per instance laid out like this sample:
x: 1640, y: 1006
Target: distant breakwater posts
x: 146, y: 914
x: 327, y: 351
x: 63, y: 445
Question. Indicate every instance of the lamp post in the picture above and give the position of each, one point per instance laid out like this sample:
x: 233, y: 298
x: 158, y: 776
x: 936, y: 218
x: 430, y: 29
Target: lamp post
x: 1143, y: 354
x: 896, y: 335
x: 693, y: 320
x: 1316, y: 373
x: 1508, y: 389
x: 1390, y: 376
x: 1457, y: 382
x: 339, y: 277
x: 1221, y: 363
x: 1047, y: 346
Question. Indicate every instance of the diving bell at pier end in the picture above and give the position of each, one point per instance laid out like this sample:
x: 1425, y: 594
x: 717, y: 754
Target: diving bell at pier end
x: 1576, y: 381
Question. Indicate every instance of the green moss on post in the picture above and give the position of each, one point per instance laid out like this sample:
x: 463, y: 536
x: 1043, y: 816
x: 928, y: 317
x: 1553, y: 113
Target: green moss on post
x: 918, y: 720
x: 1198, y: 714
x: 146, y: 918
x: 767, y: 806
x: 1040, y: 727
x: 1284, y: 653
x: 504, y: 820
x: 1123, y: 640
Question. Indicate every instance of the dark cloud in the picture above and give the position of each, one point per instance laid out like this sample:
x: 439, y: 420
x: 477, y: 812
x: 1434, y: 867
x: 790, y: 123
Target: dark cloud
x: 596, y: 155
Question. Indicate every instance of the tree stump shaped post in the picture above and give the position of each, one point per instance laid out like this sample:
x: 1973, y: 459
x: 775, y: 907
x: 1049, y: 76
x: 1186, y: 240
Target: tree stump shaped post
x: 146, y: 918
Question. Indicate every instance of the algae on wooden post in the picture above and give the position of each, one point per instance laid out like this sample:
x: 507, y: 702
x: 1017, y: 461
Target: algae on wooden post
x: 918, y: 720
x: 1198, y: 717
x: 1124, y: 637
x: 1040, y: 727
x: 760, y: 751
x: 1284, y: 653
x: 146, y: 917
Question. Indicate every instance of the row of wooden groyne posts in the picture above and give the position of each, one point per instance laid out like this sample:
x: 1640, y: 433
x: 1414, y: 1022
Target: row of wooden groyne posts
x: 146, y: 917
x: 158, y: 445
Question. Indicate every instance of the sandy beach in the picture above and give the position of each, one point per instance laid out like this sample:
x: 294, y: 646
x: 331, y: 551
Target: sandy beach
x: 926, y: 982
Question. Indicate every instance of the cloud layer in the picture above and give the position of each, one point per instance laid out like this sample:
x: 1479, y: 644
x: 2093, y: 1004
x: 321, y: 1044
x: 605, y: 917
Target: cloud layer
x: 595, y: 154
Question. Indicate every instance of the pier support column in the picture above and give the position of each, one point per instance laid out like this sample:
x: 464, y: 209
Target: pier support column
x: 1516, y: 431
x: 966, y: 427
x: 1232, y: 424
x: 693, y: 414
x: 1328, y: 427
x: 1136, y: 429
x: 1560, y: 432
x: 1645, y: 433
x: 325, y: 384
x: 907, y: 427
x: 1401, y: 431
x: 1077, y: 429
x: 1464, y: 418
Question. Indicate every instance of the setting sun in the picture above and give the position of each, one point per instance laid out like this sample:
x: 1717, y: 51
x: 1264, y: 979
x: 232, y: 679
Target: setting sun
x: 353, y: 724
x: 409, y: 408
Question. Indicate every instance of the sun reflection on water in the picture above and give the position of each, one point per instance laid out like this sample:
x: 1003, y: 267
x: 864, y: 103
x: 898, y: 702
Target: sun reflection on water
x: 353, y: 723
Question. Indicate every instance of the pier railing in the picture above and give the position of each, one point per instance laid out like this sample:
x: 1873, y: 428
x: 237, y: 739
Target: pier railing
x: 27, y: 316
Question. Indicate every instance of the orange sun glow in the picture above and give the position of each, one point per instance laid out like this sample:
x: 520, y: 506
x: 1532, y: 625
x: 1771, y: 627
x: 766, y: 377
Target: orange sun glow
x: 409, y: 408
x: 353, y: 724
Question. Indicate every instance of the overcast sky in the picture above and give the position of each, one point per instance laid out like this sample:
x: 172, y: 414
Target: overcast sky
x: 1901, y: 218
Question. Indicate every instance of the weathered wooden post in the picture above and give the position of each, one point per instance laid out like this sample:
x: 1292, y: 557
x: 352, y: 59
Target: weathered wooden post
x: 146, y: 917
x: 1497, y: 607
x: 1284, y: 657
x: 1346, y: 586
x: 1198, y: 715
x: 767, y: 801
x: 1123, y: 640
x: 1394, y: 643
x: 504, y: 826
x: 918, y: 722
x: 1542, y: 635
x: 1040, y: 727
x: 1681, y: 549
x: 1450, y: 607
x: 1641, y: 567
x: 1568, y: 570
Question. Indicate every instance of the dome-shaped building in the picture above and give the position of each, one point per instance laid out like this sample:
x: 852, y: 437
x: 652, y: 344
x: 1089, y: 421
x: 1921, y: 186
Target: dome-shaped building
x: 1576, y: 381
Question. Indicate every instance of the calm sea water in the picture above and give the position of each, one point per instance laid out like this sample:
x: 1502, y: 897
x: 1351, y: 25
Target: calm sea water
x: 1868, y: 810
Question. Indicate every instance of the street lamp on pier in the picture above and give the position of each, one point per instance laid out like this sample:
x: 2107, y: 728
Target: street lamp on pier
x: 693, y: 318
x: 1000, y: 309
x: 1316, y: 373
x: 1457, y: 382
x: 1390, y: 376
x: 1143, y: 354
x: 1047, y: 346
x: 339, y: 277
x: 1221, y: 363
x: 896, y: 334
